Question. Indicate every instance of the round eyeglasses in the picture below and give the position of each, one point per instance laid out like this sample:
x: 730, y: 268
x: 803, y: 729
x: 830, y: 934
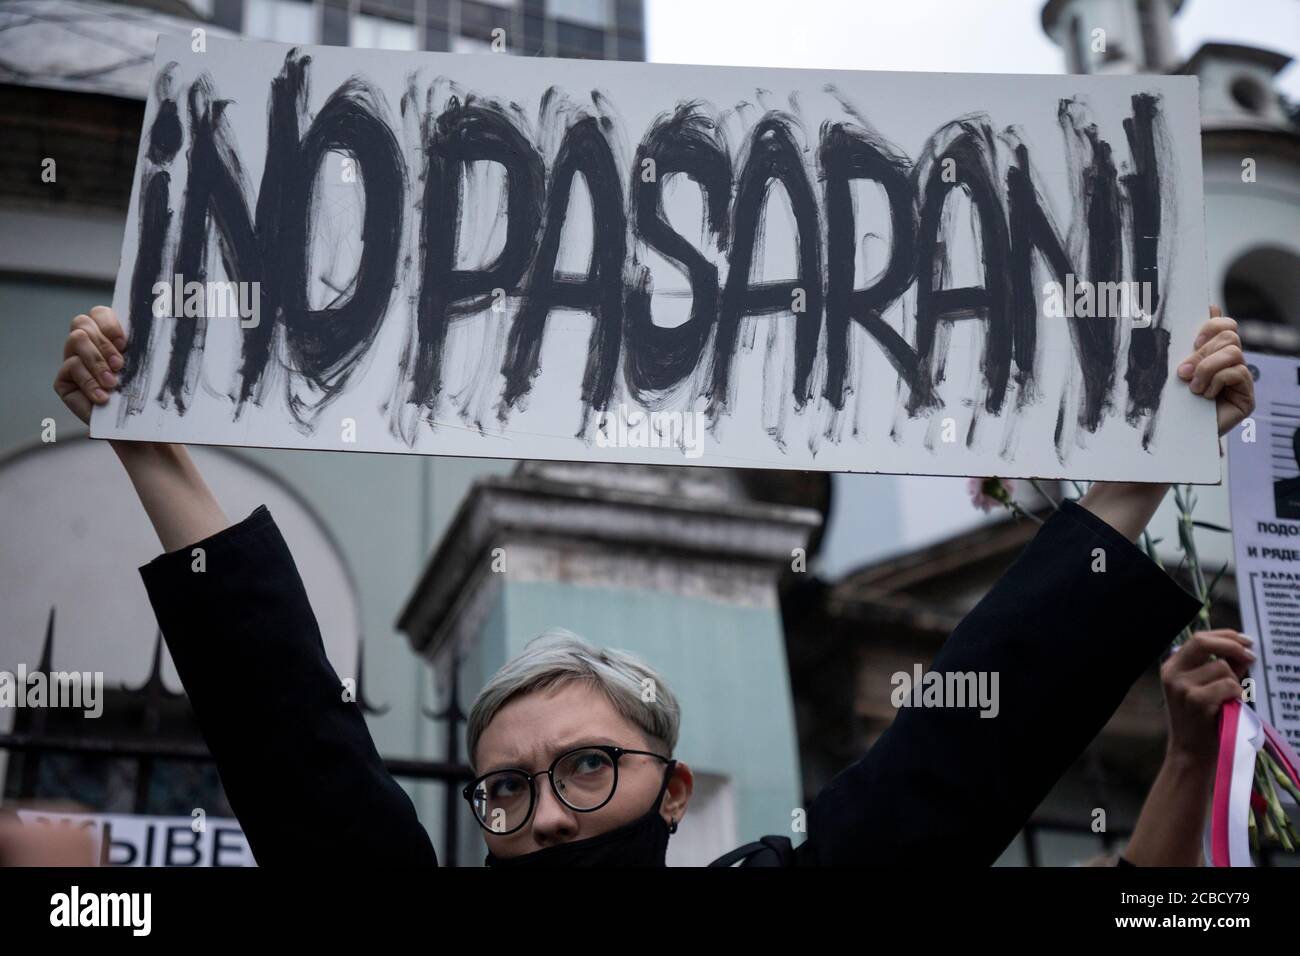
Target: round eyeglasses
x: 583, y: 780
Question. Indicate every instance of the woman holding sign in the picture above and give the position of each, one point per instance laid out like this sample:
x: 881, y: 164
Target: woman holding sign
x: 575, y: 767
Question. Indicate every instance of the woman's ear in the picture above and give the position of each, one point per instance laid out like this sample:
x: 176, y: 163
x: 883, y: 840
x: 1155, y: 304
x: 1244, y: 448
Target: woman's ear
x: 680, y: 787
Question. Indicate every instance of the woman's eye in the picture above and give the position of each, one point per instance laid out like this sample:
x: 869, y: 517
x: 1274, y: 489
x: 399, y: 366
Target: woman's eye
x: 591, y: 763
x: 501, y: 789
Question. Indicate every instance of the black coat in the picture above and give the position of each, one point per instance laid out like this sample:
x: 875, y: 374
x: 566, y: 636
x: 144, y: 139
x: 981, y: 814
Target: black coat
x: 941, y: 785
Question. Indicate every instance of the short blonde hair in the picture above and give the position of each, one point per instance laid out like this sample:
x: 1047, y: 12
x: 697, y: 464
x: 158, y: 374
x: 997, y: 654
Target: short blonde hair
x: 556, y: 656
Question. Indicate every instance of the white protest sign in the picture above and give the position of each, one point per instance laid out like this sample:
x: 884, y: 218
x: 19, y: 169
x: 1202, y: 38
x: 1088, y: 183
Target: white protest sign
x: 1264, y: 484
x: 533, y: 258
x: 122, y: 839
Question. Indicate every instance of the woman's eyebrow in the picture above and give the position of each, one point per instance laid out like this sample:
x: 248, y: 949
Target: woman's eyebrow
x: 512, y: 762
x: 579, y: 742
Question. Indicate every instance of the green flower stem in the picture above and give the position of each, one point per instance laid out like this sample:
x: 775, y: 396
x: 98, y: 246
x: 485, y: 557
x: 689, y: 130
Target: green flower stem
x: 1021, y: 512
x: 1282, y: 823
x: 1282, y: 777
x: 1187, y: 543
x: 1271, y: 810
x: 1149, y: 545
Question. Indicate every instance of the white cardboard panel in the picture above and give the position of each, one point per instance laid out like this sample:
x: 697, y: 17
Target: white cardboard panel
x: 1063, y: 397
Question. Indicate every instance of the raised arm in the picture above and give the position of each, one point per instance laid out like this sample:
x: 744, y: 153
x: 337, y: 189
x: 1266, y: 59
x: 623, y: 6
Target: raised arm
x: 173, y: 493
x: 1214, y: 369
x: 1065, y: 639
x: 293, y: 749
x: 294, y: 753
x: 1198, y: 680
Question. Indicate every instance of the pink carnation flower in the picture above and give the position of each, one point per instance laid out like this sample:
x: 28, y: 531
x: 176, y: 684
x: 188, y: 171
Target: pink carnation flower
x: 987, y: 493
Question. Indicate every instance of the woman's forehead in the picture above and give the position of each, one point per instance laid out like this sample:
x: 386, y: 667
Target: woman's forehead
x: 538, y: 726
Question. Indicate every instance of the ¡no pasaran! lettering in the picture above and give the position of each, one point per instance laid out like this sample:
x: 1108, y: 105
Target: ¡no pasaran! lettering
x: 265, y: 238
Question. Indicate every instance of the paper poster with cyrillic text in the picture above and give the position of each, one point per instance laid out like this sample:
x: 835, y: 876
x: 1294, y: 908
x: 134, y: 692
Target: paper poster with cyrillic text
x: 1264, y: 483
x: 126, y: 839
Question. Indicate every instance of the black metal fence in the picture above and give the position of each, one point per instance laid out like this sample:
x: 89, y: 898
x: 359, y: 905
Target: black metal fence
x: 150, y: 730
x: 147, y: 741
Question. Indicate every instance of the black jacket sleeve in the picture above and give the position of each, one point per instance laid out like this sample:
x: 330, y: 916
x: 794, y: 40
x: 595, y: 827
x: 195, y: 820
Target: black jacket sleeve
x: 295, y: 758
x: 945, y: 785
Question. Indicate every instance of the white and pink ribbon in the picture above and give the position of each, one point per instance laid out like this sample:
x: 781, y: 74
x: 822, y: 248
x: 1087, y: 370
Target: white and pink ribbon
x: 1242, y: 733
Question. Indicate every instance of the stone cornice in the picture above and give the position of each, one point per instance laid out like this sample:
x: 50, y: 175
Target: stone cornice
x: 533, y: 510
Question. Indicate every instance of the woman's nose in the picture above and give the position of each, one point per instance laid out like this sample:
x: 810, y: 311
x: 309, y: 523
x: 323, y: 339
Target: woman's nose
x: 553, y: 822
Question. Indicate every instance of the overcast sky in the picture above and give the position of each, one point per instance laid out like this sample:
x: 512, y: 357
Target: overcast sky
x: 969, y: 36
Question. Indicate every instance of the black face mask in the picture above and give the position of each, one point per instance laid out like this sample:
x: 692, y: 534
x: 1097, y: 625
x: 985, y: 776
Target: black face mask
x: 643, y: 842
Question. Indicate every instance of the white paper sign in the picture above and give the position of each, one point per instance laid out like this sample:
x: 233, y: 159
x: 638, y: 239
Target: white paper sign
x: 126, y: 839
x: 532, y: 258
x: 1264, y: 483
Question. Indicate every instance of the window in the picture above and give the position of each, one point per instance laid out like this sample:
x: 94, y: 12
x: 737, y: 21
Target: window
x: 288, y: 21
x: 577, y: 41
x: 596, y: 13
x: 1245, y: 300
x: 478, y: 20
x: 380, y: 33
x: 1248, y: 93
x: 534, y: 41
x: 469, y: 45
x: 438, y: 12
x: 630, y: 47
x: 398, y: 9
x: 1262, y: 292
